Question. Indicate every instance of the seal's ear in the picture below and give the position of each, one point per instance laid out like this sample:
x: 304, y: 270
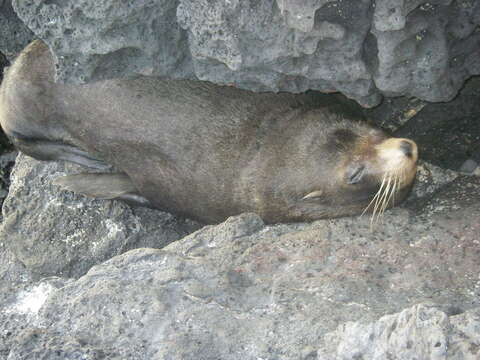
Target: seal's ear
x: 313, y: 194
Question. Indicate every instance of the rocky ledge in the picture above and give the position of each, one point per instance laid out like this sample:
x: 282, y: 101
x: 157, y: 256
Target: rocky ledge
x: 331, y: 289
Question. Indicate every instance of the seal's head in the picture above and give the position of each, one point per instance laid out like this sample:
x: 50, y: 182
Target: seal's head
x: 359, y: 169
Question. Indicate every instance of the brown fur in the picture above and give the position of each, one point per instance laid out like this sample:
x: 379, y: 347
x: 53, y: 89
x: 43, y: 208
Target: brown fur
x: 202, y: 150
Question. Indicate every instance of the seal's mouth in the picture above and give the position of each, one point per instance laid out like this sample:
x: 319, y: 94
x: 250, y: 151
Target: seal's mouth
x: 398, y: 155
x: 398, y: 162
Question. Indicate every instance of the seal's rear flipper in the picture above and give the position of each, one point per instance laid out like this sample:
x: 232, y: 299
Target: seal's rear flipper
x: 112, y: 186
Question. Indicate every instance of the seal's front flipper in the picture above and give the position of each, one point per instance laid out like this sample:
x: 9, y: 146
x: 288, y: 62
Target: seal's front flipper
x: 44, y: 149
x: 112, y: 186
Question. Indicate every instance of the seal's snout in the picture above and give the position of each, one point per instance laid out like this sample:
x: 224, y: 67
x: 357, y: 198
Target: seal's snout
x: 398, y: 151
x: 398, y: 157
x: 407, y: 148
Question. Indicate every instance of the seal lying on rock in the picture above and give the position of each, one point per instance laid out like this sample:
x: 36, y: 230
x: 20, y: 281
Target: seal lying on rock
x: 202, y: 150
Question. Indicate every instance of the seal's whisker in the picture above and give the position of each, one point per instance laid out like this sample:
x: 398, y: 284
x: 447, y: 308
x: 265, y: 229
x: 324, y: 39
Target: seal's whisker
x: 395, y: 190
x: 385, y: 198
x: 388, y: 196
x: 402, y: 176
x: 391, y: 198
x: 395, y: 184
x: 379, y: 201
x: 375, y: 197
x: 386, y: 190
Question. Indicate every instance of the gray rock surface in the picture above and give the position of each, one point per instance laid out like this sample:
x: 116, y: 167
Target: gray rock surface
x: 447, y: 134
x: 469, y: 166
x: 15, y: 35
x: 7, y: 161
x: 420, y: 332
x: 243, y: 290
x: 3, y: 63
x: 59, y: 233
x: 13, y: 279
x: 21, y: 302
x: 363, y: 48
x: 107, y: 39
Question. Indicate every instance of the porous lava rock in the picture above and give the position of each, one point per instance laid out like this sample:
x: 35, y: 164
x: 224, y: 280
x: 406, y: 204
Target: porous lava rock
x: 364, y: 48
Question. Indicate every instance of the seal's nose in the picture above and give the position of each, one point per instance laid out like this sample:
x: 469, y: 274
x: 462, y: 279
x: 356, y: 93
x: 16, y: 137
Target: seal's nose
x: 407, y: 148
x: 395, y: 150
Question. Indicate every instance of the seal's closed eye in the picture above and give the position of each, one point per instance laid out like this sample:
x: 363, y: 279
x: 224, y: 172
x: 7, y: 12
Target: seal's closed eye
x: 355, y: 173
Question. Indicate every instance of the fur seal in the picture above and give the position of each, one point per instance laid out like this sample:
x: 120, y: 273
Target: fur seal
x: 205, y: 151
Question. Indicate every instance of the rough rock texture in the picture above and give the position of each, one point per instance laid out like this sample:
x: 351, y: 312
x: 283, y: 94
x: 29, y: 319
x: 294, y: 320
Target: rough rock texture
x: 363, y: 48
x: 14, y: 34
x: 55, y: 233
x: 449, y: 134
x: 21, y: 301
x: 98, y: 40
x: 420, y: 332
x: 243, y: 290
x: 3, y: 63
x: 7, y: 161
x: 13, y: 280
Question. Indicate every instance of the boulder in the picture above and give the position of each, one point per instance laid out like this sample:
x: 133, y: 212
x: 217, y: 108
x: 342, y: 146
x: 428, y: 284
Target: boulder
x: 364, y: 48
x: 331, y: 289
x: 15, y: 35
x: 59, y: 233
x: 243, y: 290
